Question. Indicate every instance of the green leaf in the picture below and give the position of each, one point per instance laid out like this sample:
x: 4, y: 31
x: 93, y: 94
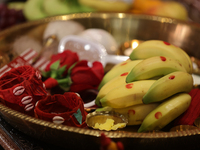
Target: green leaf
x: 78, y: 116
x: 71, y: 67
x: 54, y: 74
x: 61, y: 70
x: 55, y: 65
x: 46, y: 74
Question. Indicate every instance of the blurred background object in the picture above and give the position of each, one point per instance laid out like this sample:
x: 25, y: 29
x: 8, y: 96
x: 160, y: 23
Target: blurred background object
x: 193, y: 8
x: 13, y: 12
x: 165, y: 8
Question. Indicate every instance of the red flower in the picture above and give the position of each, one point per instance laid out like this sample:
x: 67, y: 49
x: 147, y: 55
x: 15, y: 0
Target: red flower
x: 72, y: 75
x: 67, y: 58
x: 84, y: 77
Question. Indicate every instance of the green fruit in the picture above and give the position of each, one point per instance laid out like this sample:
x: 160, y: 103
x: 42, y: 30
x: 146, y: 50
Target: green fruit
x: 127, y: 94
x: 115, y: 82
x: 107, y: 5
x: 16, y: 5
x: 117, y: 70
x: 166, y: 112
x: 61, y: 7
x: 33, y: 10
x: 169, y: 85
x: 57, y: 7
x: 153, y: 48
x: 153, y: 67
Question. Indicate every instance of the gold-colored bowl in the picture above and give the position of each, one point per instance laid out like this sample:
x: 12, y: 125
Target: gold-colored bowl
x: 101, y: 117
x: 124, y: 27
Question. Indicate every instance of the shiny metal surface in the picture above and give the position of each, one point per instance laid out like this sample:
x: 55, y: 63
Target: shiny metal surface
x: 124, y: 27
x: 101, y: 117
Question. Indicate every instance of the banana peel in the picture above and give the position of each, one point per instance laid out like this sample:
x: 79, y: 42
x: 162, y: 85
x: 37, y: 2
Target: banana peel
x: 166, y: 112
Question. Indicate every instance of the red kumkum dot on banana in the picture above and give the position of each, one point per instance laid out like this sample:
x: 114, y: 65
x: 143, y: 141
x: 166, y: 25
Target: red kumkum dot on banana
x: 163, y: 58
x: 166, y: 43
x: 124, y: 74
x: 123, y: 63
x: 158, y: 115
x: 129, y: 86
x: 131, y: 111
x: 171, y: 77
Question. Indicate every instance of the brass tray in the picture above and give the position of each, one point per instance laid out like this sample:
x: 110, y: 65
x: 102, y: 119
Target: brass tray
x: 124, y: 27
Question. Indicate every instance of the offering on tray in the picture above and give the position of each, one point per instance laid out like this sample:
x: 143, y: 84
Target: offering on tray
x: 106, y: 120
x: 66, y: 109
x: 162, y: 78
x: 71, y: 74
x: 145, y: 89
x: 21, y: 88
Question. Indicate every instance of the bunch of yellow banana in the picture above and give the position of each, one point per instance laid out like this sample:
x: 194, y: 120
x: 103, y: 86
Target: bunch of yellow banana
x: 151, y: 88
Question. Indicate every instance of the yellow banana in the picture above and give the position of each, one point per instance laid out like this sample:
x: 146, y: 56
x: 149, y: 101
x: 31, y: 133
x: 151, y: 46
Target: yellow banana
x: 135, y: 114
x: 166, y: 112
x: 117, y: 70
x: 127, y: 94
x: 152, y: 48
x: 115, y: 82
x: 154, y: 66
x: 169, y: 85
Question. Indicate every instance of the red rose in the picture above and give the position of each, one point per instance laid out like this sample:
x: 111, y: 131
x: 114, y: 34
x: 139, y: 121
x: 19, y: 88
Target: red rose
x: 84, y: 77
x: 67, y: 58
x: 76, y: 76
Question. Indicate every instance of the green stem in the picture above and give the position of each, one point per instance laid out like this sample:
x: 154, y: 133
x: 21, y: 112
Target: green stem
x: 66, y: 80
x: 54, y: 74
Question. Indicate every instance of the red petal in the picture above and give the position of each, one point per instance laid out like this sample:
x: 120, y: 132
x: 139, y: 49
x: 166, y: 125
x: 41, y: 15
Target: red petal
x: 50, y: 83
x: 81, y: 87
x: 66, y: 58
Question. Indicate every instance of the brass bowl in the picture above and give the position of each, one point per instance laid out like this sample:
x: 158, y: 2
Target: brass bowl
x: 124, y: 27
x: 101, y: 117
